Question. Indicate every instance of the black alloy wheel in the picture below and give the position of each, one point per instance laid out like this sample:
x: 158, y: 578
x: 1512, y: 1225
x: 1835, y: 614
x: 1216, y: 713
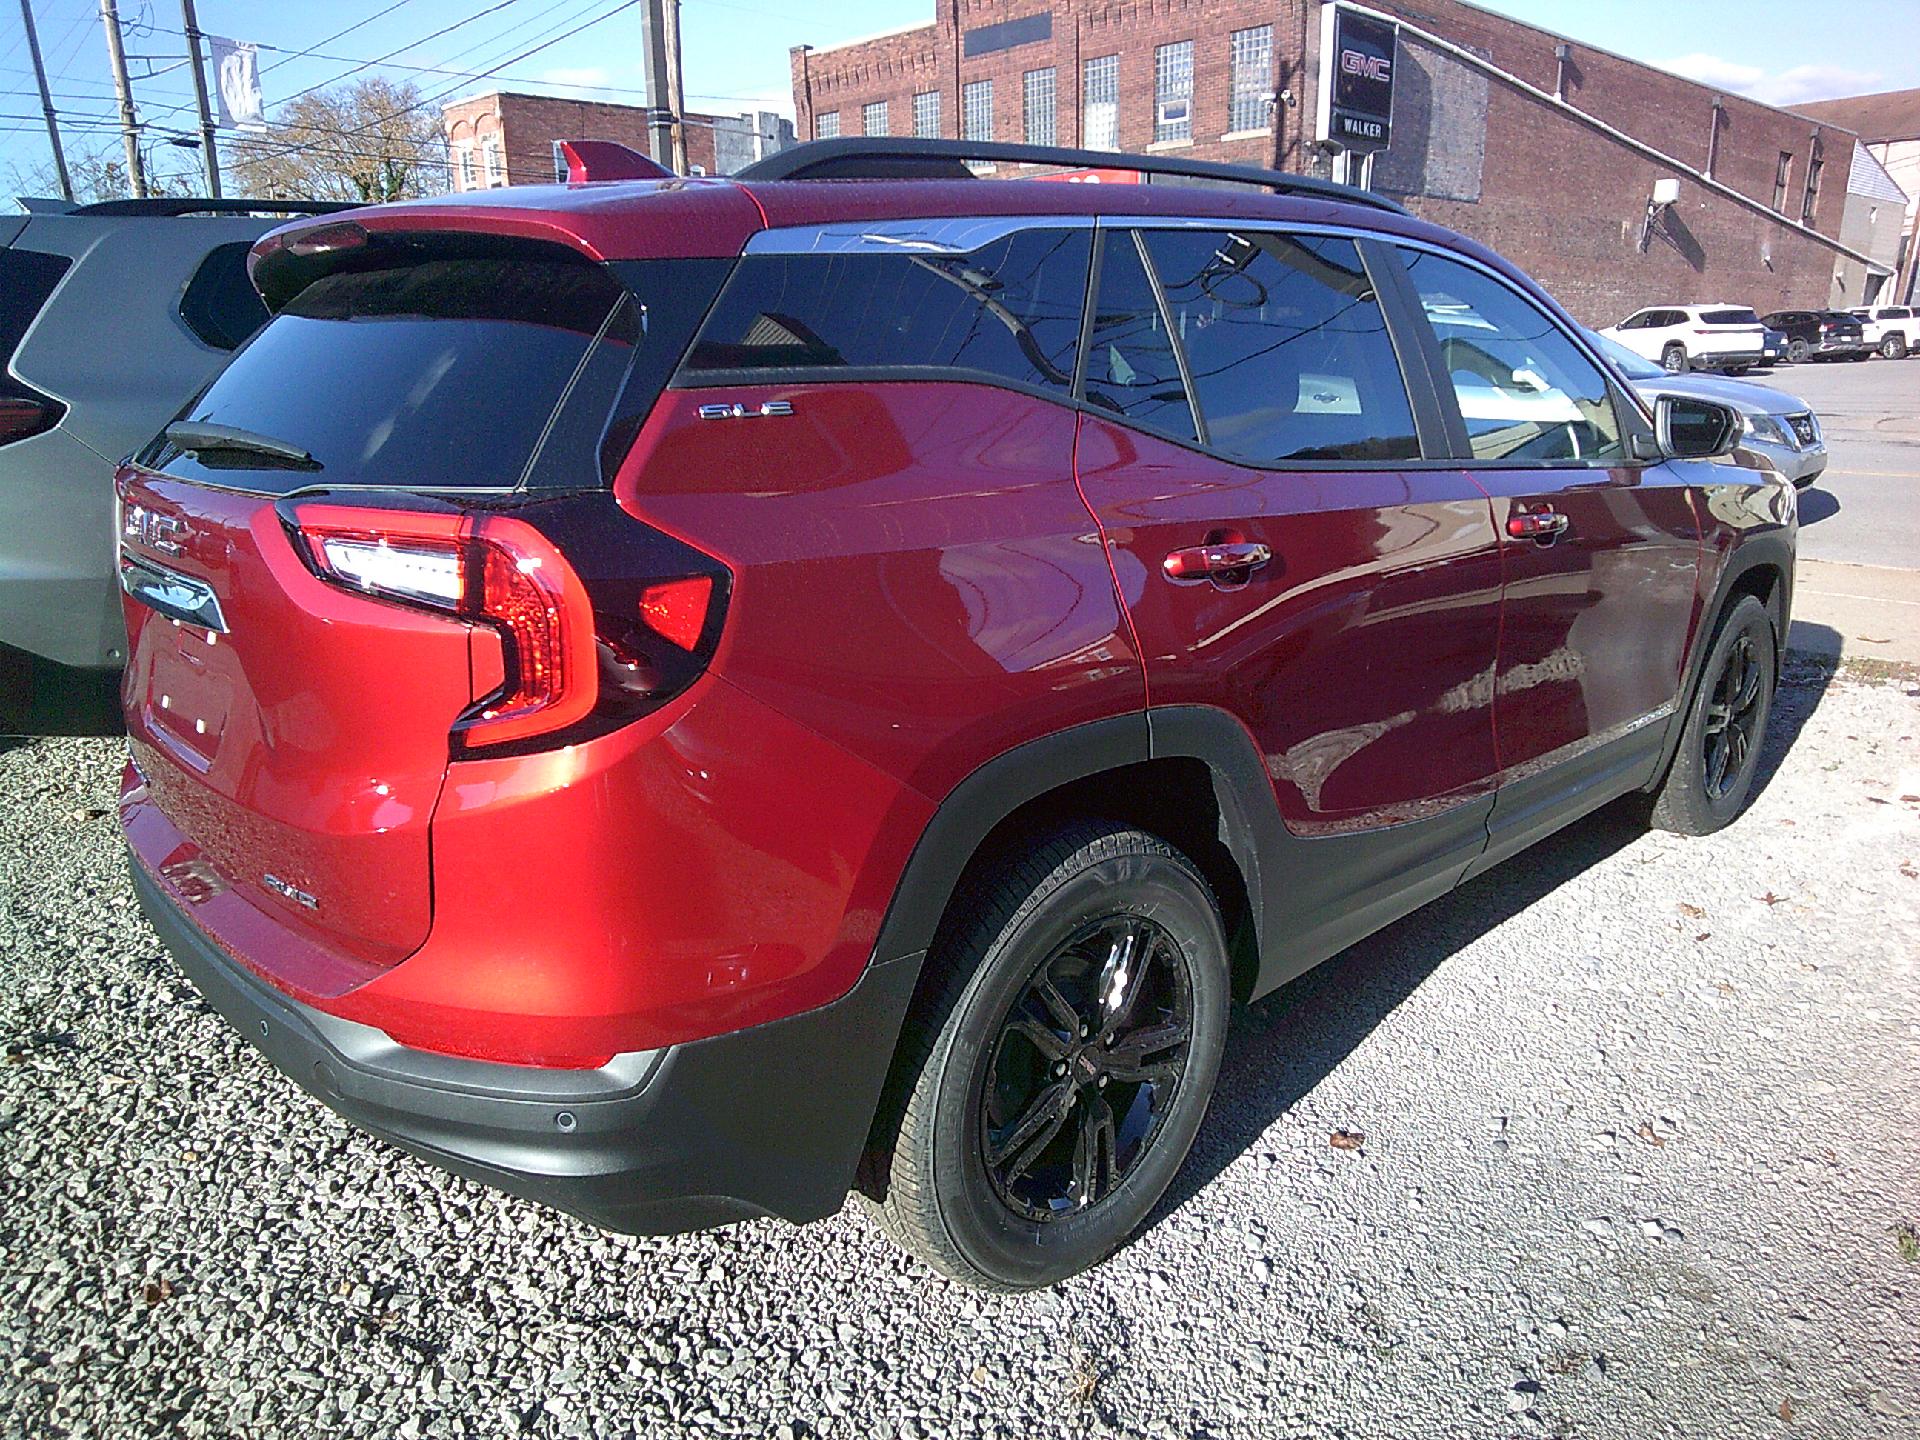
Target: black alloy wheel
x: 1732, y: 716
x: 1086, y: 1067
x: 1056, y: 1067
x: 1718, y: 753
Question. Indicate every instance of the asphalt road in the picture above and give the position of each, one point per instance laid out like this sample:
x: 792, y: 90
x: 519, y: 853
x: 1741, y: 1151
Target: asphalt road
x: 1866, y: 509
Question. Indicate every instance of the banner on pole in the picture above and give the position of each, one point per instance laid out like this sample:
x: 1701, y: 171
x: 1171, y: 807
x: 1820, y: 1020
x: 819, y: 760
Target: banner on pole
x: 236, y: 69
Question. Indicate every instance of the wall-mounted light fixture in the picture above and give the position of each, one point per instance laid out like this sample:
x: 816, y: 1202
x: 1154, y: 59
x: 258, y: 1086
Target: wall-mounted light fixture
x: 1666, y: 193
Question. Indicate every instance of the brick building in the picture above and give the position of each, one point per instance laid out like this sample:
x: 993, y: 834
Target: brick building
x: 1888, y: 125
x: 507, y: 138
x: 1543, y: 148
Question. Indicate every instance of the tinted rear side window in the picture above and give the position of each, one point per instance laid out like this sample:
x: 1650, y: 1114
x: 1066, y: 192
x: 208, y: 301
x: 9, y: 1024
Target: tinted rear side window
x: 27, y: 278
x: 1009, y: 310
x: 1729, y: 317
x: 441, y: 375
x: 1286, y: 346
x: 220, y: 304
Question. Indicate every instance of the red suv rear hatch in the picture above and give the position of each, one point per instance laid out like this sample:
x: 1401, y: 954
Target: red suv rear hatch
x: 294, y: 692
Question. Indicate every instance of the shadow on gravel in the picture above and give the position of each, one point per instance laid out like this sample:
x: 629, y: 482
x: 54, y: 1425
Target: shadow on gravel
x: 1280, y: 1049
x: 37, y: 698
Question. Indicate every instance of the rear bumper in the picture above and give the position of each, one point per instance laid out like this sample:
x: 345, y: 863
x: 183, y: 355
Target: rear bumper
x: 766, y: 1121
x: 1721, y: 359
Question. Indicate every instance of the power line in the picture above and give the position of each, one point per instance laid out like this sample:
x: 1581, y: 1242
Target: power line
x: 313, y: 50
x: 437, y: 96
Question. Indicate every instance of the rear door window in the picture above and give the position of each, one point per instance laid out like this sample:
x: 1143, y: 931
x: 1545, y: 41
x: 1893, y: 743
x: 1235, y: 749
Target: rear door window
x: 1009, y: 310
x: 1526, y: 391
x: 443, y: 375
x: 1286, y: 346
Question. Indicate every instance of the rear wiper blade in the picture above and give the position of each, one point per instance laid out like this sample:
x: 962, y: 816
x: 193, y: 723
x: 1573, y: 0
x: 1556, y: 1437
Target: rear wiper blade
x: 195, y: 436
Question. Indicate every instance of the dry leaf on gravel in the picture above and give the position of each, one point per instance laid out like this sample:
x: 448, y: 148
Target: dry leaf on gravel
x: 1646, y: 1132
x: 1786, y: 1410
x: 1347, y: 1139
x: 156, y: 1290
x: 1692, y: 912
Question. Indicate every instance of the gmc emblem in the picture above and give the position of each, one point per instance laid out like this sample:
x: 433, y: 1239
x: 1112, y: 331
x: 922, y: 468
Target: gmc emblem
x: 1372, y: 67
x: 155, y: 531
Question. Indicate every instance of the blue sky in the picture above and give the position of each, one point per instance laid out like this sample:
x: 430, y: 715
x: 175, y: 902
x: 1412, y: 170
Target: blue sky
x: 1782, y: 51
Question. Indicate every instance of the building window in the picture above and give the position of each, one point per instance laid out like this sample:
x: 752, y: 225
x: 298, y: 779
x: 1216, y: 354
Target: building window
x: 873, y: 118
x: 463, y: 175
x: 1780, y: 178
x: 490, y: 161
x: 926, y: 115
x: 826, y: 126
x: 1173, y: 92
x: 1812, y: 199
x: 1037, y: 111
x: 1100, y: 104
x: 976, y: 106
x: 1251, y: 52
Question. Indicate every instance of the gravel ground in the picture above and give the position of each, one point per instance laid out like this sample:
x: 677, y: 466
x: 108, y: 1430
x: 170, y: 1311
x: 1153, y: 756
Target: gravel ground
x: 1639, y: 1160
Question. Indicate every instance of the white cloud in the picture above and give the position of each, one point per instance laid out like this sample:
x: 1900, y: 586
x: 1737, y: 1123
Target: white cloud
x: 1793, y: 86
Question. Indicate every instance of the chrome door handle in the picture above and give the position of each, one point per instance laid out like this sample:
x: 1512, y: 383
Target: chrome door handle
x: 1202, y: 561
x: 1546, y: 525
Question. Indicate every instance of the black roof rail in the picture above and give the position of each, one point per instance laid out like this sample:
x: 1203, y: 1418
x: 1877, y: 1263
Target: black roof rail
x: 889, y: 157
x: 189, y: 205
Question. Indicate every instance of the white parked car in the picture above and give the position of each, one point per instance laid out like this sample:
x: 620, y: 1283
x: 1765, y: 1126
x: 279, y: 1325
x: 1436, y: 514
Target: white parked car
x: 1679, y: 338
x: 1893, y: 330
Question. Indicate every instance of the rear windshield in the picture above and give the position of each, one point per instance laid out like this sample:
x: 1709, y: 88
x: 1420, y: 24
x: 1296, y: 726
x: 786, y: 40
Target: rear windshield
x: 441, y: 375
x: 1729, y: 317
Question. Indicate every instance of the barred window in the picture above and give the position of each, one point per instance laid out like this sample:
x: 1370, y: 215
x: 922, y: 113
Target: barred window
x: 977, y: 110
x: 873, y: 118
x: 1100, y: 104
x: 826, y: 126
x: 1252, y: 84
x: 926, y: 115
x: 1173, y: 91
x: 1037, y: 109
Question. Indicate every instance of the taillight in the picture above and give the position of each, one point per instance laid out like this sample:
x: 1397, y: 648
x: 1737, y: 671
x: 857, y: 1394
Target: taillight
x: 20, y: 418
x: 492, y: 570
x: 587, y: 644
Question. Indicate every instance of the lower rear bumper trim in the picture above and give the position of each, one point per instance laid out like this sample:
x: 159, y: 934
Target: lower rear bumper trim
x: 766, y: 1121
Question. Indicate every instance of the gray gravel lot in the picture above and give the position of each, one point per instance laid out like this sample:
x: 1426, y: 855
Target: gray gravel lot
x: 1640, y: 1140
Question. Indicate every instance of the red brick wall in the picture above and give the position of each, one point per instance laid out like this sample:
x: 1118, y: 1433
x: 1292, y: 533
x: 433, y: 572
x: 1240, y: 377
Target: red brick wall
x: 1558, y: 197
x: 529, y: 124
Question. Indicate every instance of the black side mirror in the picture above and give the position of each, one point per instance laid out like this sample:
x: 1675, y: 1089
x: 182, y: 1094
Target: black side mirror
x: 1695, y: 429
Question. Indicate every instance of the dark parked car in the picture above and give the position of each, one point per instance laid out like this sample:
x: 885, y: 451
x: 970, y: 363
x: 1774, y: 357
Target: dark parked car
x: 1773, y: 348
x: 678, y: 699
x: 111, y: 315
x: 1820, y: 334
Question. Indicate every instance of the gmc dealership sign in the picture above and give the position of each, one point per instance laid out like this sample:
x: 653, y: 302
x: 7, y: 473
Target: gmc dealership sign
x: 1356, y: 79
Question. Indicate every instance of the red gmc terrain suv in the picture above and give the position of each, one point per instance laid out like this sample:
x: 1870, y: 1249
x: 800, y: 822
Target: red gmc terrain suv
x: 679, y: 698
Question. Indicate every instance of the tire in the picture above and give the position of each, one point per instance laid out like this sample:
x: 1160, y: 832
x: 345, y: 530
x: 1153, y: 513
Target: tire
x: 1893, y: 348
x: 1797, y: 351
x: 1711, y: 777
x: 1673, y: 359
x: 1859, y: 355
x: 1008, y: 1209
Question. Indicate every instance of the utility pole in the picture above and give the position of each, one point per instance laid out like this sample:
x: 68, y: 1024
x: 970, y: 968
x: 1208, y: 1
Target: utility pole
x: 207, y: 152
x: 46, y: 101
x: 129, y: 123
x: 656, y: 83
x: 676, y: 84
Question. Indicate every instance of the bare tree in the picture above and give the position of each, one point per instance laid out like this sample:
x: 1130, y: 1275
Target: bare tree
x: 101, y: 174
x: 369, y: 141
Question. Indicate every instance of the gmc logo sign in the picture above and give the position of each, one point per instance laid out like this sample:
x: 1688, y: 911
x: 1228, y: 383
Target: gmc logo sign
x: 1371, y: 67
